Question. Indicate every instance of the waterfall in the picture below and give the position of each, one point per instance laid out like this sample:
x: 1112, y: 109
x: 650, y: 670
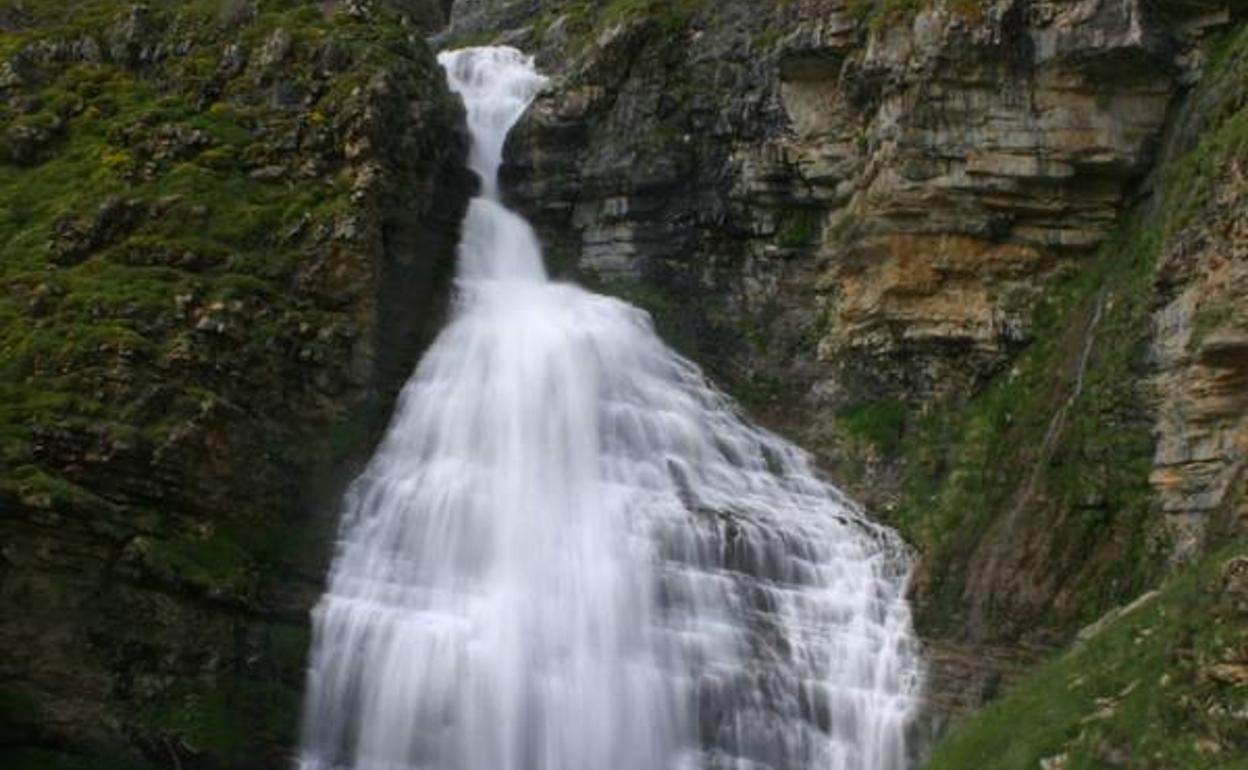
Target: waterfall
x: 572, y: 552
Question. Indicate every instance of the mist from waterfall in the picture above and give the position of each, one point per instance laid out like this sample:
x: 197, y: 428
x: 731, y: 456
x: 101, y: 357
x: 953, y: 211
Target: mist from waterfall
x: 572, y: 552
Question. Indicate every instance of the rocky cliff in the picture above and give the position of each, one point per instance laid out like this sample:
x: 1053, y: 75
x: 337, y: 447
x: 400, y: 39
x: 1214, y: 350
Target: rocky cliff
x: 225, y: 231
x: 984, y: 258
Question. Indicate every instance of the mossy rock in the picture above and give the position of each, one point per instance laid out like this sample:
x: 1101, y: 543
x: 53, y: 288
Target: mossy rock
x: 210, y: 212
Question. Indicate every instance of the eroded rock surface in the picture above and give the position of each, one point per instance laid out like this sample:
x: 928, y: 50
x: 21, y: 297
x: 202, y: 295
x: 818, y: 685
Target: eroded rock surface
x: 906, y: 239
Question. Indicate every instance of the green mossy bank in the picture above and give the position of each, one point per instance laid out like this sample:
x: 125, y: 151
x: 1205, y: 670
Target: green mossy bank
x: 225, y: 232
x: 1164, y: 684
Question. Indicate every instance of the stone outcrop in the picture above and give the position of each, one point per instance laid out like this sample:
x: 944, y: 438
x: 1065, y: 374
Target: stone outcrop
x: 1200, y: 343
x: 923, y: 180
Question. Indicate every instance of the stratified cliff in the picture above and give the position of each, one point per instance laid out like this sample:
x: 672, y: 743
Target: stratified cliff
x: 985, y: 258
x: 225, y: 230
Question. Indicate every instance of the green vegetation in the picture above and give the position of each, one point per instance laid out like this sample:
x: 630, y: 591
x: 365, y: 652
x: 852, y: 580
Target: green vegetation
x: 799, y: 227
x: 584, y: 20
x: 147, y: 195
x: 672, y: 318
x: 877, y: 13
x: 768, y: 37
x: 667, y: 15
x: 1055, y: 453
x: 227, y: 722
x: 1156, y: 688
x: 189, y: 290
x: 880, y: 424
x: 45, y: 759
x: 1061, y: 432
x: 1221, y: 97
x: 1211, y: 316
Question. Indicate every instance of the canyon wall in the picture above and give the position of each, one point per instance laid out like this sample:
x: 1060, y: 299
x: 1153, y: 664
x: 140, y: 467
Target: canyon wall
x: 226, y: 231
x: 984, y: 259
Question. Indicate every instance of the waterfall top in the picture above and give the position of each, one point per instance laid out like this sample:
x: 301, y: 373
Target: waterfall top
x: 497, y: 84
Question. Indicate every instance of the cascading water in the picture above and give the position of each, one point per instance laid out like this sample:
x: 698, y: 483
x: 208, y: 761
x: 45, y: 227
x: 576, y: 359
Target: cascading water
x: 571, y: 552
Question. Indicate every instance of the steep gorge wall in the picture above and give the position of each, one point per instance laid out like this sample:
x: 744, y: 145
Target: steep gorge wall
x: 226, y: 231
x: 925, y: 239
x: 986, y: 259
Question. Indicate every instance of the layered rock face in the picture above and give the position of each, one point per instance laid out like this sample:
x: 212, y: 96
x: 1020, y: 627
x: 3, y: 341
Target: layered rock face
x: 927, y: 175
x: 902, y: 234
x: 1200, y: 343
x: 226, y: 232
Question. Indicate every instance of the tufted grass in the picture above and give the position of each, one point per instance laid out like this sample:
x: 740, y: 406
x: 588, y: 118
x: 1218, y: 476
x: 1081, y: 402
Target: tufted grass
x: 1138, y: 691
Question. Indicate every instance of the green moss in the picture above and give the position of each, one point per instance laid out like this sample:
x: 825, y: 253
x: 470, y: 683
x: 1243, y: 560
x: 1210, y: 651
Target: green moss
x: 1060, y: 432
x: 669, y: 15
x: 561, y: 256
x: 799, y: 227
x: 881, y: 423
x: 768, y: 37
x: 671, y: 317
x: 199, y: 207
x: 287, y: 644
x: 1188, y: 182
x: 230, y: 721
x: 214, y: 564
x: 759, y: 393
x: 482, y: 37
x: 875, y: 13
x: 860, y: 9
x: 43, y: 489
x: 48, y: 759
x: 1222, y: 98
x: 180, y: 341
x: 1216, y: 315
x: 1138, y: 689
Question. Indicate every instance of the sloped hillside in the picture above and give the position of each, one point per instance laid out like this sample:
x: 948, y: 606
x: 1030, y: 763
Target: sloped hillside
x: 225, y: 228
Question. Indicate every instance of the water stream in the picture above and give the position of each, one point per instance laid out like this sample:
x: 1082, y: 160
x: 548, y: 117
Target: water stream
x: 572, y: 552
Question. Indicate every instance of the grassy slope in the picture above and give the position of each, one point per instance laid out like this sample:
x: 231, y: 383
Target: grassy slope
x: 180, y: 337
x: 73, y: 327
x: 1145, y: 693
x: 1082, y: 500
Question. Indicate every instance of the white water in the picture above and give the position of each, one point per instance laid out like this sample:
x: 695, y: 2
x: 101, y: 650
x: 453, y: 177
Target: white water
x: 572, y: 553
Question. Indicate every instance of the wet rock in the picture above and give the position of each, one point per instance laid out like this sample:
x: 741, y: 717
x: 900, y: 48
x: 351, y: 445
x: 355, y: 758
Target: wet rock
x: 74, y: 240
x: 1235, y: 579
x: 268, y: 173
x: 275, y: 49
x: 128, y: 40
x: 1227, y: 673
x: 233, y: 60
x: 28, y: 142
